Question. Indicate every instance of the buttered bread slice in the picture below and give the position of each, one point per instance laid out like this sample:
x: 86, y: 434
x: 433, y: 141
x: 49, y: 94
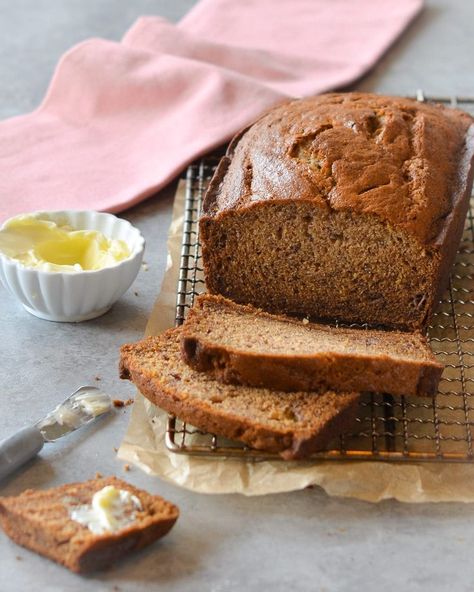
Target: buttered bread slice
x: 87, y: 526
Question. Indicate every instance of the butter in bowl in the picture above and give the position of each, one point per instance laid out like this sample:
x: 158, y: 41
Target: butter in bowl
x: 69, y: 265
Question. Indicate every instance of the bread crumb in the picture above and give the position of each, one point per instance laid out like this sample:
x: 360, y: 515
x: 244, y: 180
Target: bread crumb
x: 98, y: 378
x: 305, y: 321
x: 122, y: 403
x: 126, y: 468
x: 98, y: 475
x: 115, y: 449
x: 18, y: 558
x: 136, y: 293
x: 145, y: 266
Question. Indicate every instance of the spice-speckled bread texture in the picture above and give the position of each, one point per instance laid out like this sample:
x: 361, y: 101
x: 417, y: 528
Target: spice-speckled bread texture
x: 39, y: 520
x: 347, y: 206
x: 291, y: 424
x: 240, y: 344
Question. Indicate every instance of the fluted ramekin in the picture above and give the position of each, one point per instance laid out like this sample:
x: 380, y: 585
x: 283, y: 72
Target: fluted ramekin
x: 81, y: 295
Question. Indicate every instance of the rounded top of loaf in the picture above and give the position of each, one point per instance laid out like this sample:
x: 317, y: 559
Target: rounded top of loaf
x: 401, y: 160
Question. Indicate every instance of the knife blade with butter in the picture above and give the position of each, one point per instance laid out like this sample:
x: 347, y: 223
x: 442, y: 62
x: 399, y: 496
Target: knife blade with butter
x: 83, y: 406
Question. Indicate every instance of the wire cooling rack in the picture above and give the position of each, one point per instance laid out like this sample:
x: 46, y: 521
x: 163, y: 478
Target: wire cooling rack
x: 388, y: 428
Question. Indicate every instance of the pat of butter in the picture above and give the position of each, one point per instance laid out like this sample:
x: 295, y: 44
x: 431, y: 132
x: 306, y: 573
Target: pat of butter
x: 111, y: 509
x: 45, y: 245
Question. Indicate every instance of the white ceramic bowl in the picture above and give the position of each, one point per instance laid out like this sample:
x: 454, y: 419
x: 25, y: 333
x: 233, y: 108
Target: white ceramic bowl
x: 82, y: 295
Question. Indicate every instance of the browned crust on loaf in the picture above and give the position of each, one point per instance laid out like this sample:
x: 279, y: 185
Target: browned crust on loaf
x: 216, y: 180
x: 306, y: 372
x: 270, y: 139
x: 450, y: 236
x: 289, y: 443
x: 85, y: 552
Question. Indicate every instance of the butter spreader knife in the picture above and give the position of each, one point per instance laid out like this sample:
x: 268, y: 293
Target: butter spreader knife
x: 83, y: 406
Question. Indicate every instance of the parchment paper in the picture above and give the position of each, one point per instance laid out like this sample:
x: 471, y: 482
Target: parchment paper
x: 144, y: 445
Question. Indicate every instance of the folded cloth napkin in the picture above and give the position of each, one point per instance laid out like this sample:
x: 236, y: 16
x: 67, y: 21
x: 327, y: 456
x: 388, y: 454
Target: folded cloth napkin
x: 120, y: 120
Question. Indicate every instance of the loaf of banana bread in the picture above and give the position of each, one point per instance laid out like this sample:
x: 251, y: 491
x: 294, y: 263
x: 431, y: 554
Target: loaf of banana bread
x: 347, y: 206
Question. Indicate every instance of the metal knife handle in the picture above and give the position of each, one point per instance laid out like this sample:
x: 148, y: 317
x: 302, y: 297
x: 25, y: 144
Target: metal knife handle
x: 17, y: 449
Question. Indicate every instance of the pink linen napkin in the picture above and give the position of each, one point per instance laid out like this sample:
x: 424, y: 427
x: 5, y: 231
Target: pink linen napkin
x: 120, y: 120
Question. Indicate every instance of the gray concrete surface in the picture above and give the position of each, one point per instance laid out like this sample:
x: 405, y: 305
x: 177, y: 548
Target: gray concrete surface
x: 302, y: 541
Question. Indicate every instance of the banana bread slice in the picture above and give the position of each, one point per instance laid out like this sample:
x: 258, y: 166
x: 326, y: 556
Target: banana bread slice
x: 41, y: 520
x: 346, y: 206
x: 243, y: 345
x: 291, y: 424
